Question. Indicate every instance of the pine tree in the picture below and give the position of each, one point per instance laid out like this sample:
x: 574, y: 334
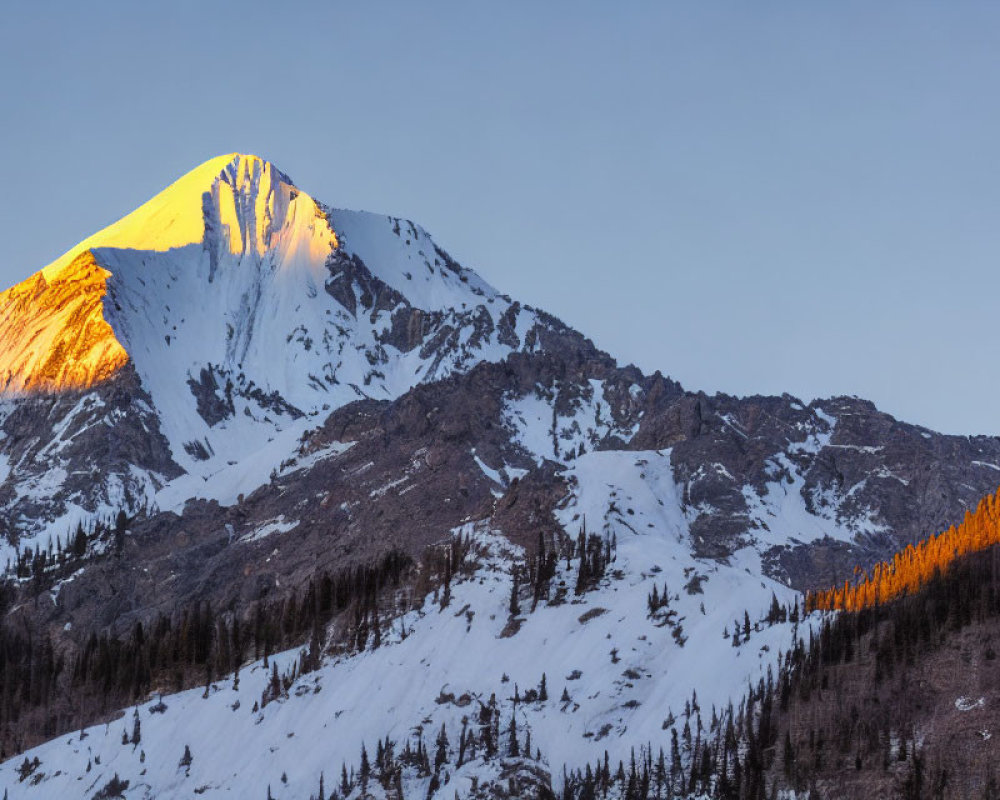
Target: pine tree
x: 446, y: 593
x: 136, y: 734
x: 345, y: 784
x: 79, y: 541
x: 441, y: 756
x: 676, y: 767
x: 583, y: 576
x: 486, y: 717
x: 314, y: 647
x: 366, y: 769
x: 653, y: 602
x: 462, y: 743
x: 275, y: 684
x: 515, y: 749
x: 541, y: 570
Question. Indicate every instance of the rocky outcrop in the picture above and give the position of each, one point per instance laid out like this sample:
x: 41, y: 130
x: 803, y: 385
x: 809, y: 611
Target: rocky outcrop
x: 83, y: 449
x: 874, y: 484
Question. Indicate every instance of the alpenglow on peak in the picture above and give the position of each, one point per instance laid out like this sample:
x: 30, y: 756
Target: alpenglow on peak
x: 54, y: 327
x: 236, y: 187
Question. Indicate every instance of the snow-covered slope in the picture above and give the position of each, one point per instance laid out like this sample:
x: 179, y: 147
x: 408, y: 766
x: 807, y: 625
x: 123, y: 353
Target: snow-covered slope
x: 629, y: 676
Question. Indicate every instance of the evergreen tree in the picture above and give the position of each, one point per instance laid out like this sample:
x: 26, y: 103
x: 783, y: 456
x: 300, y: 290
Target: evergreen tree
x: 79, y: 547
x: 462, y: 743
x: 275, y: 684
x: 314, y: 648
x: 583, y: 576
x: 446, y: 591
x: 441, y: 756
x: 366, y: 769
x: 136, y: 732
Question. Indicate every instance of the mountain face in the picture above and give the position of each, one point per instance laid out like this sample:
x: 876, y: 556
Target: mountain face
x: 240, y: 312
x: 273, y: 390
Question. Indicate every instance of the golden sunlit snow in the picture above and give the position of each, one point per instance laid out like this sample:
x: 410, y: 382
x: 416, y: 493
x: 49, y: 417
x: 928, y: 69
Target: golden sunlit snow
x: 53, y: 335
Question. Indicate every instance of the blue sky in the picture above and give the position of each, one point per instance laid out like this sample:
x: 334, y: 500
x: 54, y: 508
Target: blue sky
x: 749, y: 197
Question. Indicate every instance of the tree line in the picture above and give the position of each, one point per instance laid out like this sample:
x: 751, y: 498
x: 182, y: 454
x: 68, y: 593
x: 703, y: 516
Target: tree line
x: 915, y: 565
x: 49, y: 686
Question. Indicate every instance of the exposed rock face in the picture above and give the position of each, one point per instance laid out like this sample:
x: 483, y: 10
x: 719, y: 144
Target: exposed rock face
x: 215, y: 402
x: 100, y: 448
x: 352, y: 285
x: 868, y: 484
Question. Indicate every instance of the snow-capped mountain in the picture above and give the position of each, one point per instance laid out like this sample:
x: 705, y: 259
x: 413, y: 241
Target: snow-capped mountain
x: 279, y: 394
x: 246, y: 311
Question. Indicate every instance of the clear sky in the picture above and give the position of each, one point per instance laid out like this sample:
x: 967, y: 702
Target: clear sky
x: 750, y: 197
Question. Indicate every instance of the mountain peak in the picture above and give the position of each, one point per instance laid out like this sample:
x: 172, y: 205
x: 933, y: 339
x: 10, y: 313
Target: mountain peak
x: 176, y: 217
x: 239, y: 166
x: 53, y: 332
